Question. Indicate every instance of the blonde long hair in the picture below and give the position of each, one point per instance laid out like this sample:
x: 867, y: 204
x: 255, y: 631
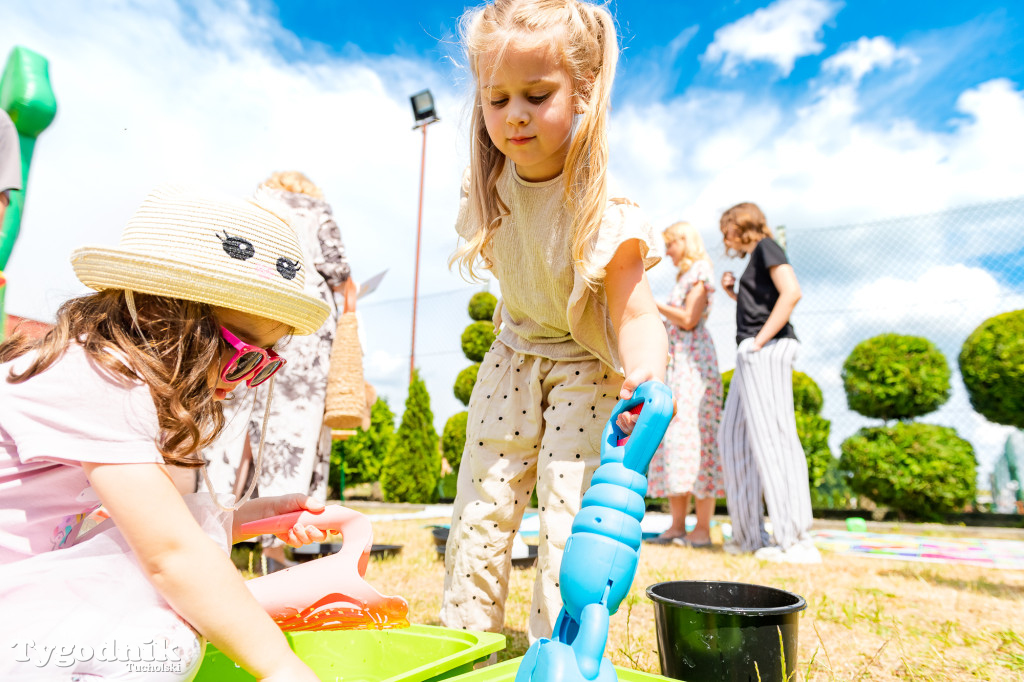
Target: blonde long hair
x: 584, y: 36
x: 695, y: 250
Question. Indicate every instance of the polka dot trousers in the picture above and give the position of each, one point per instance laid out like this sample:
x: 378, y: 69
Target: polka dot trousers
x: 532, y: 421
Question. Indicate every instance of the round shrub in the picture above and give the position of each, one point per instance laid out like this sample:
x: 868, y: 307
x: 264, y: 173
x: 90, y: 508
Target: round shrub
x: 476, y: 339
x: 807, y: 397
x: 891, y: 376
x: 813, y: 431
x: 453, y: 438
x: 920, y: 469
x: 464, y: 383
x: 481, y: 306
x: 992, y: 365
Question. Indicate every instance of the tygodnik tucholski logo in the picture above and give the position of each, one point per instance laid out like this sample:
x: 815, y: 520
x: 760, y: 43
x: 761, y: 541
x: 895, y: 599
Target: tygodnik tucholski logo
x: 147, y: 656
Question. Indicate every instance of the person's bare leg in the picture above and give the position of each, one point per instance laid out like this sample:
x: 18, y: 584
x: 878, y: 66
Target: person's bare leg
x: 678, y: 506
x: 701, y: 533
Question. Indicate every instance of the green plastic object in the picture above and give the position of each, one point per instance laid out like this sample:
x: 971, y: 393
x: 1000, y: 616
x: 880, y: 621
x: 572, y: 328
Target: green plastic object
x: 506, y: 672
x: 419, y: 653
x: 856, y: 524
x: 26, y: 95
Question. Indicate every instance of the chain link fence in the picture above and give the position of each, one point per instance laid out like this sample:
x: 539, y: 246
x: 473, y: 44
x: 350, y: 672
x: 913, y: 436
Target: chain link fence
x: 937, y: 276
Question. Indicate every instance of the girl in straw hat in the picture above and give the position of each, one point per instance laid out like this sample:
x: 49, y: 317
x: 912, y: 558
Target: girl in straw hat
x: 125, y: 388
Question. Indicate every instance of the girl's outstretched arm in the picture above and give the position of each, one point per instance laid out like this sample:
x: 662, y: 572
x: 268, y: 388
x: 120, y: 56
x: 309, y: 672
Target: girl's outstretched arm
x: 789, y: 294
x: 192, y: 573
x: 643, y: 344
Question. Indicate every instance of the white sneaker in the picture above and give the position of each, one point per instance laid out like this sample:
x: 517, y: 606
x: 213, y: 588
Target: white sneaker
x: 803, y: 552
x: 733, y: 548
x: 768, y: 553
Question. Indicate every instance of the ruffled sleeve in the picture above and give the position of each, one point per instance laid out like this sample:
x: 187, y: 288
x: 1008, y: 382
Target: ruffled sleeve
x: 623, y: 221
x: 701, y: 271
x: 587, y: 310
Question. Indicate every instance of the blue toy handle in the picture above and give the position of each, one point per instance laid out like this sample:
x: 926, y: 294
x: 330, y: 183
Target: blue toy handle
x: 655, y: 415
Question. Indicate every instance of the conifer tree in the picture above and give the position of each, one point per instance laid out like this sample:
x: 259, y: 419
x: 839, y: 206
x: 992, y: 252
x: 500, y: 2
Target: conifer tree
x: 411, y: 471
x: 361, y: 455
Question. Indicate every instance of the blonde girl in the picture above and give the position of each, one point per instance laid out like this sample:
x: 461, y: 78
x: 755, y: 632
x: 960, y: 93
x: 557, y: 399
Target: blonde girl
x: 761, y: 452
x: 125, y: 388
x: 687, y: 462
x: 577, y: 313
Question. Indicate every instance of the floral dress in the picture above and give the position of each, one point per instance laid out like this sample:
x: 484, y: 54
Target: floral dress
x: 687, y: 461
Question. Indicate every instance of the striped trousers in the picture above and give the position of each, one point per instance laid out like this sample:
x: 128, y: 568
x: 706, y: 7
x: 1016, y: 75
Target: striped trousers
x: 760, y: 449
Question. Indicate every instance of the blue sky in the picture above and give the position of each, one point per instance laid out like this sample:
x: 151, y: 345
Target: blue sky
x: 962, y: 43
x: 824, y: 112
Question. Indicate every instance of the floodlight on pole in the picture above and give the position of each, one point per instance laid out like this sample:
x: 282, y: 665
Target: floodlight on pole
x: 424, y: 114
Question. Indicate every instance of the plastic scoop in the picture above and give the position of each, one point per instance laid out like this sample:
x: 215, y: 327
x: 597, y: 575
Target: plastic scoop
x: 327, y: 593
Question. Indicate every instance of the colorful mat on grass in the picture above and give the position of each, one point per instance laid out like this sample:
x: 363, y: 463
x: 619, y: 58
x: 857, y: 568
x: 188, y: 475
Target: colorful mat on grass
x: 974, y: 551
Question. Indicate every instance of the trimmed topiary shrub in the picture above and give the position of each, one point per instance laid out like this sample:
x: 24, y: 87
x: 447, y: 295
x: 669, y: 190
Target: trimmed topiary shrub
x: 892, y: 376
x: 813, y: 430
x: 362, y: 454
x: 992, y: 365
x: 453, y: 439
x: 477, y: 339
x: 919, y: 469
x: 411, y: 470
x: 465, y: 382
x: 807, y: 397
x: 481, y: 306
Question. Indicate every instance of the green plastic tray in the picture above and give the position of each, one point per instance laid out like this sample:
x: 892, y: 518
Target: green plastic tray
x: 506, y: 672
x: 419, y: 653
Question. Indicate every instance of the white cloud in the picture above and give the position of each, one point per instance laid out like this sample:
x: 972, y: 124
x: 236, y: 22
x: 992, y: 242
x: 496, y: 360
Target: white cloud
x: 148, y: 95
x: 779, y: 34
x: 820, y: 164
x: 866, y: 55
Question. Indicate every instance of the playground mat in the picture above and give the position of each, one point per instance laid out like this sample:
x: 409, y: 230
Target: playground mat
x: 1008, y: 554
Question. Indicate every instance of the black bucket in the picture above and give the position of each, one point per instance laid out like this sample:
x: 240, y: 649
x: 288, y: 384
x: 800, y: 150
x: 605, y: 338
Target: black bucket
x: 728, y: 632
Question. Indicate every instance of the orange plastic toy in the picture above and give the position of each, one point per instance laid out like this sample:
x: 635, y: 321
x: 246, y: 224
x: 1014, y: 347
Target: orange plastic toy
x: 328, y: 593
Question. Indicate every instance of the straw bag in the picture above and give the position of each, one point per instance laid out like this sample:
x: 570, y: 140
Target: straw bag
x: 346, y: 391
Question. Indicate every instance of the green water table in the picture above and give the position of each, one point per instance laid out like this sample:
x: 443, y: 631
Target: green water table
x: 418, y: 653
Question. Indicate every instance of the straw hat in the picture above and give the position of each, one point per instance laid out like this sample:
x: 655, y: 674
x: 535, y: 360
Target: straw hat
x: 220, y: 250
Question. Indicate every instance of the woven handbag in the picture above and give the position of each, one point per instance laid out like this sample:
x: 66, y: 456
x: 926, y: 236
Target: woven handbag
x: 346, y: 391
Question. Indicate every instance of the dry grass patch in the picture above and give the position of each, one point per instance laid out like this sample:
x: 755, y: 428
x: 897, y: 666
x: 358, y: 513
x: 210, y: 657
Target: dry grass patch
x: 866, y: 619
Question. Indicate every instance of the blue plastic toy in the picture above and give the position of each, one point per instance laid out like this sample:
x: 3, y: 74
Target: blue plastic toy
x: 601, y: 555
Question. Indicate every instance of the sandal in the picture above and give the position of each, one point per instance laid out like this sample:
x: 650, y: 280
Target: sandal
x: 663, y: 540
x: 686, y: 542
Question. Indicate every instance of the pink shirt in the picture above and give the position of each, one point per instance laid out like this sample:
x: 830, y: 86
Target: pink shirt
x: 74, y: 412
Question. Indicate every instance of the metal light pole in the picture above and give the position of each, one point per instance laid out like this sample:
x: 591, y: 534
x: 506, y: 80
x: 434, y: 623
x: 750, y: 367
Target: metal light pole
x: 424, y: 113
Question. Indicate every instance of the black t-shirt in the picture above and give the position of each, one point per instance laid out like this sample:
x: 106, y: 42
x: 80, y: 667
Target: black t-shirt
x: 757, y: 293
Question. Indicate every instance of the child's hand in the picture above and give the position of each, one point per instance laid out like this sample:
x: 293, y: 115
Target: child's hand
x: 298, y: 536
x: 627, y: 421
x: 265, y: 507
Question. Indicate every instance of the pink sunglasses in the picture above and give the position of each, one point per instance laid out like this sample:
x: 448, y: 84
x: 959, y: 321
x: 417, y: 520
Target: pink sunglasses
x: 258, y: 364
